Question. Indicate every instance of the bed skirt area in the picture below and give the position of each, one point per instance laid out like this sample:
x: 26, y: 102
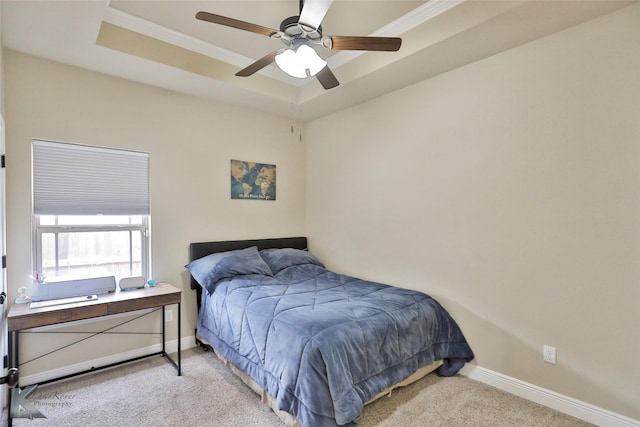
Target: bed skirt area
x: 288, y: 419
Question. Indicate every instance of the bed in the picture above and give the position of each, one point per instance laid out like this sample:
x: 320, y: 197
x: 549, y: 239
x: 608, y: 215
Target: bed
x: 317, y: 345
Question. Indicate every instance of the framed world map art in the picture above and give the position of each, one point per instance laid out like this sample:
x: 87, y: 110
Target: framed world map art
x: 251, y: 180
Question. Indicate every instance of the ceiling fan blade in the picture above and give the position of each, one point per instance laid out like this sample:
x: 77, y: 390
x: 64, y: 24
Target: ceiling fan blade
x: 389, y: 44
x: 258, y: 65
x: 235, y: 23
x: 313, y: 13
x: 327, y: 79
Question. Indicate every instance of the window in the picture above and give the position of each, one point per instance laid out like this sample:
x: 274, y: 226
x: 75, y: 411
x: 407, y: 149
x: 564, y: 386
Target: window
x: 91, y: 246
x: 90, y: 211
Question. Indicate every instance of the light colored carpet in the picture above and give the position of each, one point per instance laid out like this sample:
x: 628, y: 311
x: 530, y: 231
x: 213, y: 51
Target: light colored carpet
x: 149, y: 393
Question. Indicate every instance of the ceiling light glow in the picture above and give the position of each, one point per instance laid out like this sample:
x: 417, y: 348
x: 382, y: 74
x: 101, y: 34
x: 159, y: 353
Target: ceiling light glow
x: 301, y: 63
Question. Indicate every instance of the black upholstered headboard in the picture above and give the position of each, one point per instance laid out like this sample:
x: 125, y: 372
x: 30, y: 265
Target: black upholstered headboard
x: 202, y: 249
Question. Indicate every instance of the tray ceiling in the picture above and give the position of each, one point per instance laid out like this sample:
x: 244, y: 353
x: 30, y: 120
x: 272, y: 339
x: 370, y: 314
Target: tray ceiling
x: 162, y: 44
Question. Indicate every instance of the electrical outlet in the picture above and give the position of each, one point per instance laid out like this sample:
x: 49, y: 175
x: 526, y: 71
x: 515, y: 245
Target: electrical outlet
x: 168, y: 315
x: 549, y: 354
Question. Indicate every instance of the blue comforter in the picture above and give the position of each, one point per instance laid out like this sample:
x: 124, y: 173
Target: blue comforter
x: 322, y: 343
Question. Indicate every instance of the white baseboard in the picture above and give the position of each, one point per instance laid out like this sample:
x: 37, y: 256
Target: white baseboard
x: 551, y: 399
x: 170, y: 346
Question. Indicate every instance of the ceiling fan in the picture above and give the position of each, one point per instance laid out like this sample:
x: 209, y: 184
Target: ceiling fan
x: 299, y: 34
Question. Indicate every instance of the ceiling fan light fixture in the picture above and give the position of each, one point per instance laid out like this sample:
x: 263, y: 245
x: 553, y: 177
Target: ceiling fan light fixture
x: 301, y: 63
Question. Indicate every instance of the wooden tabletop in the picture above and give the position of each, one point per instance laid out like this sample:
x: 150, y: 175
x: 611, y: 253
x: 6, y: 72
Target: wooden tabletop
x: 22, y: 316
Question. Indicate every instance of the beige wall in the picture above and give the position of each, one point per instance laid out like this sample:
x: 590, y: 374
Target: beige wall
x: 190, y: 142
x: 508, y: 189
x: 1, y: 68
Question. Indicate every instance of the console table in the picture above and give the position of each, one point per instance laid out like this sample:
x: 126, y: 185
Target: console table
x: 22, y: 316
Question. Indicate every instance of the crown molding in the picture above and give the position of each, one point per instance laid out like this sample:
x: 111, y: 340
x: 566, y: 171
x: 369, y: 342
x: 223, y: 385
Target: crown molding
x: 419, y: 15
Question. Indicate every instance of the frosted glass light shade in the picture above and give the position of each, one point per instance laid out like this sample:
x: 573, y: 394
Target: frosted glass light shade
x: 302, y: 63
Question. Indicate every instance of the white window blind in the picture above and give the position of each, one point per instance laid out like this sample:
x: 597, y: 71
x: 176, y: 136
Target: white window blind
x: 73, y: 179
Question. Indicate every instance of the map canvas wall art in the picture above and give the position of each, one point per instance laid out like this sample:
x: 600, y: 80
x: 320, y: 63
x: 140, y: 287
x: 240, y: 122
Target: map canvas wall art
x: 251, y: 180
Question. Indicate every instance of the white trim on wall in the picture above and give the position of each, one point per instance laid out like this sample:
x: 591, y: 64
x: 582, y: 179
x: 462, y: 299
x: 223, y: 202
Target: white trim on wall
x: 548, y: 398
x: 542, y: 396
x: 171, y: 347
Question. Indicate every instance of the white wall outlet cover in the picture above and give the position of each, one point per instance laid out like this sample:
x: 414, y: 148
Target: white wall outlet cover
x: 549, y: 354
x: 132, y: 282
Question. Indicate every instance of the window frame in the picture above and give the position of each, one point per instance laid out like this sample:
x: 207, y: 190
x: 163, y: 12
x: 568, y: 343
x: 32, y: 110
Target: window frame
x: 89, y: 182
x: 143, y: 228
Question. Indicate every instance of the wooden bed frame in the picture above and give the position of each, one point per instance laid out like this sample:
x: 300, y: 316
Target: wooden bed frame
x: 202, y: 249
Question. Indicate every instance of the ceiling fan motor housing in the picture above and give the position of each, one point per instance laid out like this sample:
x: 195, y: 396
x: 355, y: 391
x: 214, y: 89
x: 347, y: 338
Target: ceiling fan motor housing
x: 292, y: 28
x: 294, y: 34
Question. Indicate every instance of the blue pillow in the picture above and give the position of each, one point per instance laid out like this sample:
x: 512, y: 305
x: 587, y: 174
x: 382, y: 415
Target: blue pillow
x: 279, y: 259
x: 212, y: 268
